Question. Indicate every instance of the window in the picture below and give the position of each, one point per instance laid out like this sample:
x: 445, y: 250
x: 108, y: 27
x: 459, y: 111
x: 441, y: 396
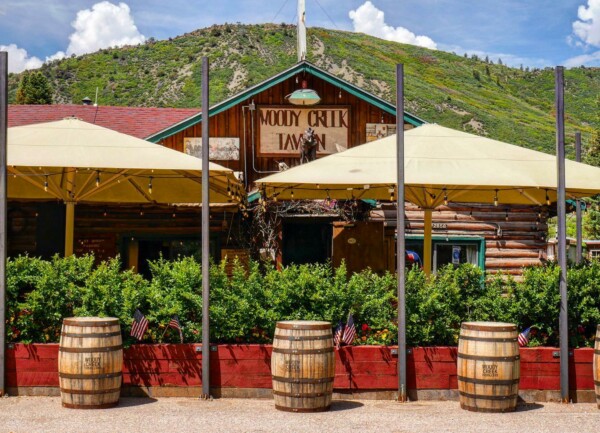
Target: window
x: 449, y: 250
x: 595, y: 254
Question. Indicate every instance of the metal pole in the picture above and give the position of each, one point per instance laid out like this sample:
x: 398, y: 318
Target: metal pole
x: 205, y: 236
x: 3, y: 213
x: 562, y: 234
x: 400, y: 241
x: 579, y: 251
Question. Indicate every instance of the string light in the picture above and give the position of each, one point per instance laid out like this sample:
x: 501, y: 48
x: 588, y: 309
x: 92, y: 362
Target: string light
x: 506, y: 215
x: 105, y: 212
x: 97, y: 178
x: 471, y: 212
x: 46, y: 184
x: 228, y: 188
x: 547, y: 199
x: 496, y: 199
x: 391, y: 194
x: 340, y: 94
x: 292, y: 194
x: 141, y: 211
x: 150, y: 185
x: 445, y: 197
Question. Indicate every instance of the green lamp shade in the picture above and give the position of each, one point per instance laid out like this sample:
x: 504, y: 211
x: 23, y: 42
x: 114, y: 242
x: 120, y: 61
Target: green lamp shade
x: 304, y: 97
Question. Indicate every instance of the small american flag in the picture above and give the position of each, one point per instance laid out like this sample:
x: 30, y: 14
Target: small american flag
x: 349, y: 331
x: 337, y: 334
x: 139, y: 325
x: 523, y: 338
x: 174, y: 323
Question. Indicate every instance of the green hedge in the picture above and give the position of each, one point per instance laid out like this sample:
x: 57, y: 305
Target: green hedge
x: 246, y: 306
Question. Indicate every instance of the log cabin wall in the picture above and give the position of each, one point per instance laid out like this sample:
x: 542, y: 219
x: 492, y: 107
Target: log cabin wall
x: 513, y: 236
x: 37, y: 229
x: 238, y: 121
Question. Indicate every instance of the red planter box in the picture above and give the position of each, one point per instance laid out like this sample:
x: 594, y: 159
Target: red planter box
x: 358, y: 368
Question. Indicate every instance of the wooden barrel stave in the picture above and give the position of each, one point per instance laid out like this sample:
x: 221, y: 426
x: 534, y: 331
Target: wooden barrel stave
x: 303, y: 366
x: 90, y: 362
x: 488, y: 367
x: 596, y: 366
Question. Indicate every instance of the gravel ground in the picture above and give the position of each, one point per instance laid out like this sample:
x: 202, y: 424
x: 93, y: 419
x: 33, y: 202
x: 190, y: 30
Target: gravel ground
x: 171, y: 415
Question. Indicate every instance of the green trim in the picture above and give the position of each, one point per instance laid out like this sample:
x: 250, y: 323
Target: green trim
x: 477, y: 240
x: 303, y: 66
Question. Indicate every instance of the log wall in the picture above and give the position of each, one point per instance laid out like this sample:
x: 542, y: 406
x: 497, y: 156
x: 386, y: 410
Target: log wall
x: 515, y: 236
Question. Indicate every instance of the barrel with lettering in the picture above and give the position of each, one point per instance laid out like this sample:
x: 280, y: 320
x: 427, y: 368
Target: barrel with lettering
x: 597, y: 366
x: 488, y: 366
x: 303, y: 366
x: 90, y: 362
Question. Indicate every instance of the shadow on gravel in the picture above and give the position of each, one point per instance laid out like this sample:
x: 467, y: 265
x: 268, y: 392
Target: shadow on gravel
x: 524, y: 407
x: 135, y: 401
x: 344, y: 405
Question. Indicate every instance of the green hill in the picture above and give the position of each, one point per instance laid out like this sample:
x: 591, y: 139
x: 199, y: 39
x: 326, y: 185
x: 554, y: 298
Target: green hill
x: 508, y: 104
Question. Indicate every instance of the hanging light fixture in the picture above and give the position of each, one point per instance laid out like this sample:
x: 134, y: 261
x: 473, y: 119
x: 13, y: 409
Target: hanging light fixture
x: 304, y: 96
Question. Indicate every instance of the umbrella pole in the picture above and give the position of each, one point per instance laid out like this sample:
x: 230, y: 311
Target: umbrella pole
x: 69, y: 227
x: 3, y: 232
x: 427, y: 229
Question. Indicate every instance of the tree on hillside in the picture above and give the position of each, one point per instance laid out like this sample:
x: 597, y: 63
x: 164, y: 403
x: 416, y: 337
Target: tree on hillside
x: 33, y: 89
x: 592, y: 157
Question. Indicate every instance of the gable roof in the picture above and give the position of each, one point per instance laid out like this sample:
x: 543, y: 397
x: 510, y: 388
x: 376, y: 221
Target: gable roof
x: 302, y: 67
x: 140, y: 122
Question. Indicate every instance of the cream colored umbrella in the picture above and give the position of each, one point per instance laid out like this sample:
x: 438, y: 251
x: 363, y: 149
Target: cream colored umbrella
x: 441, y: 165
x: 75, y: 161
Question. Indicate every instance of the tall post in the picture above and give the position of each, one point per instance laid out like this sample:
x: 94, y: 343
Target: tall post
x: 205, y: 236
x: 400, y: 241
x: 427, y: 245
x: 3, y: 213
x: 562, y: 234
x: 579, y: 251
x: 69, y: 227
x: 301, y: 30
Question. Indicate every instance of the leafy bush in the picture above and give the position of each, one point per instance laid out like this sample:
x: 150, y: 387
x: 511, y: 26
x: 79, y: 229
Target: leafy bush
x: 246, y: 306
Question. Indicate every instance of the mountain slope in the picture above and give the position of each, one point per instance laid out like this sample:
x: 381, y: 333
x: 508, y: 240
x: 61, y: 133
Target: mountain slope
x: 504, y: 103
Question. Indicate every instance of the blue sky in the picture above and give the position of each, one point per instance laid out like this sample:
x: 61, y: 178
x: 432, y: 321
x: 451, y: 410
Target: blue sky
x: 534, y: 33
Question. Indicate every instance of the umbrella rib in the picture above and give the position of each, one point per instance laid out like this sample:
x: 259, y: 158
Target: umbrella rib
x: 109, y: 183
x: 213, y: 182
x: 31, y: 180
x: 140, y: 190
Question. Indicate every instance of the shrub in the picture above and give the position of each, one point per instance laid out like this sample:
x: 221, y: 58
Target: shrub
x: 246, y: 306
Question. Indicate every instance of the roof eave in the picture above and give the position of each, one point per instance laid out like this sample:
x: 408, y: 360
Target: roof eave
x: 303, y: 66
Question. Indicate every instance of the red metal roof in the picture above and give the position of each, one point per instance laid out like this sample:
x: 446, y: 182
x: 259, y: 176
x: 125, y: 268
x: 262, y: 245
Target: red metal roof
x: 140, y: 122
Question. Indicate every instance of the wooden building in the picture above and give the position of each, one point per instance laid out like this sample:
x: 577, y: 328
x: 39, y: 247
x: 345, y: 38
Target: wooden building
x: 258, y: 132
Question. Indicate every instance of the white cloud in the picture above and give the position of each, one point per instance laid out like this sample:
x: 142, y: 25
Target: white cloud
x: 587, y: 28
x: 19, y: 60
x: 370, y: 20
x: 104, y: 25
x: 584, y: 59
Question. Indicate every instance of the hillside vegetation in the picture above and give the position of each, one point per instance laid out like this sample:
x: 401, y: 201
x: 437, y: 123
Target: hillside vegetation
x: 509, y: 104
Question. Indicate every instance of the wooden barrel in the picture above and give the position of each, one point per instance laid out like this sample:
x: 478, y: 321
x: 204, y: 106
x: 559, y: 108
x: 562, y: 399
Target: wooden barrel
x: 597, y: 366
x: 303, y: 366
x: 488, y: 367
x: 90, y: 362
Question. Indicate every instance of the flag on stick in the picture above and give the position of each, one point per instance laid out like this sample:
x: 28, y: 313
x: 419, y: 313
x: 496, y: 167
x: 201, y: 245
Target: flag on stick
x: 337, y: 335
x: 523, y: 338
x: 349, y: 331
x: 174, y: 323
x: 139, y: 325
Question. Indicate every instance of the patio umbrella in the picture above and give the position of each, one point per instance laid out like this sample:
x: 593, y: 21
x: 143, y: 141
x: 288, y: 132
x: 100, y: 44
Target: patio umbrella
x: 441, y: 165
x: 75, y: 161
